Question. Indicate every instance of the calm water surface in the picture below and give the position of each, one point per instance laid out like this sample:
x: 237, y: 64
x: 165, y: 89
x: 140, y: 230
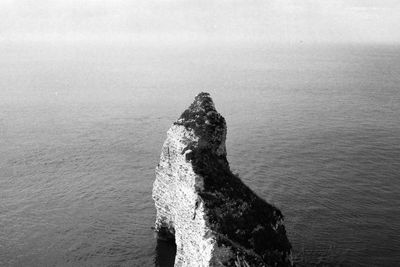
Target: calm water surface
x: 315, y: 131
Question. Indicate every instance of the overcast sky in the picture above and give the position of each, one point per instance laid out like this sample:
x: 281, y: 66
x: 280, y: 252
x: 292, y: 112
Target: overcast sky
x: 309, y: 21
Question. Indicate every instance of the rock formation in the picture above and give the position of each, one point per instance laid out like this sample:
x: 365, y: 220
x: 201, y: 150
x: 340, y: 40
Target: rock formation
x: 214, y: 218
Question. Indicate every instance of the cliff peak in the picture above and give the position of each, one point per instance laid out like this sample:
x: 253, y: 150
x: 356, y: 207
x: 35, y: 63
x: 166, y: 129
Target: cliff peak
x: 214, y: 218
x: 202, y: 102
x: 208, y: 125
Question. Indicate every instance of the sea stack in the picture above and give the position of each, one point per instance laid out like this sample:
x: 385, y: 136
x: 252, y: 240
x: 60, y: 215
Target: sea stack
x: 214, y: 218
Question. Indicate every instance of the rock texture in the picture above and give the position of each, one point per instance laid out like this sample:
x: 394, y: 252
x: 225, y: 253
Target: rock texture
x: 214, y: 218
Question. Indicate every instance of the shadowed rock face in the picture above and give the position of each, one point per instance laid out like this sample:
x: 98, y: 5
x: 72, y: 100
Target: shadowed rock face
x: 215, y: 218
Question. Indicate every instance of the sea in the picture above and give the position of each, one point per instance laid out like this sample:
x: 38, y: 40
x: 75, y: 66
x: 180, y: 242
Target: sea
x: 312, y: 129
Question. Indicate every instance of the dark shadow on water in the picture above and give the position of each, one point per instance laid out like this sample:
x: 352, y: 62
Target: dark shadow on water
x: 165, y: 253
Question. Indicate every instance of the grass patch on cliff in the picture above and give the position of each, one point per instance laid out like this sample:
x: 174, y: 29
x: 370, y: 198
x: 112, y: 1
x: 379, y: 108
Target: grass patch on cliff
x: 204, y: 120
x: 235, y: 211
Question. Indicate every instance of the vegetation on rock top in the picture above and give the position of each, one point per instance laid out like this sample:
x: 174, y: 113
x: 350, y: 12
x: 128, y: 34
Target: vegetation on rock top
x: 204, y: 120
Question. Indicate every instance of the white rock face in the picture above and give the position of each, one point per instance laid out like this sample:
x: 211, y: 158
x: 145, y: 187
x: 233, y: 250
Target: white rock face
x: 179, y: 190
x: 177, y: 202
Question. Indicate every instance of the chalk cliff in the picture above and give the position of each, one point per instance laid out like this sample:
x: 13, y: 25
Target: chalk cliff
x: 214, y: 218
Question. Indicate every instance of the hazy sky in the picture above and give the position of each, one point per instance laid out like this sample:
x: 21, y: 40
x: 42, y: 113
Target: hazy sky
x: 204, y: 20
